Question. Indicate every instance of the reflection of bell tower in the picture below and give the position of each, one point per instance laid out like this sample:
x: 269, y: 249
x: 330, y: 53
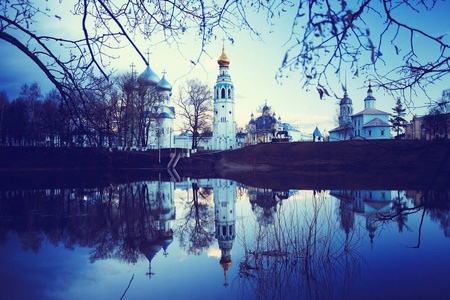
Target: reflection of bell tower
x: 224, y: 204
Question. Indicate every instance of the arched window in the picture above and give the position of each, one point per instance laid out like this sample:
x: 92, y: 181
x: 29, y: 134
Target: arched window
x: 229, y: 93
x: 223, y: 93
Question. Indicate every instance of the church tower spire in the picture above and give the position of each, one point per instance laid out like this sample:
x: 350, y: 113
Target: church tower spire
x: 369, y: 101
x: 345, y: 108
x: 224, y: 125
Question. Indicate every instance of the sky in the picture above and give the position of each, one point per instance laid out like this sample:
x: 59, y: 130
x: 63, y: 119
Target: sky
x: 254, y: 64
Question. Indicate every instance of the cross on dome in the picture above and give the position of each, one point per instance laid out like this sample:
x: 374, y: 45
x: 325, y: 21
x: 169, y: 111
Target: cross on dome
x: 148, y: 55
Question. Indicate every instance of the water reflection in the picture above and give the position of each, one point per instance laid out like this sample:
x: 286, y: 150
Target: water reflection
x: 273, y: 244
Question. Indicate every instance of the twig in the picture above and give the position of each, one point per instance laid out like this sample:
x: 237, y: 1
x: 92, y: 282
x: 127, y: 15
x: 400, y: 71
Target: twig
x: 132, y: 277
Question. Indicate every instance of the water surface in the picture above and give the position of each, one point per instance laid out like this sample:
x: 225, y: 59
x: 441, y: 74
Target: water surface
x: 219, y: 239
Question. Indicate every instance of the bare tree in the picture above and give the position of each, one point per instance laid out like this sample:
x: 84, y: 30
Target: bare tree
x: 329, y: 36
x: 72, y: 62
x: 195, y: 103
x: 326, y: 37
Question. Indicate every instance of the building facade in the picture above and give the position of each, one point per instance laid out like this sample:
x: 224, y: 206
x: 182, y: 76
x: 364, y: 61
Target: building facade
x: 224, y: 125
x: 164, y: 116
x: 264, y: 128
x: 370, y: 123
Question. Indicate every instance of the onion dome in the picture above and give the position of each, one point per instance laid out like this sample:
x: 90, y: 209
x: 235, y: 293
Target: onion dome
x: 163, y: 85
x: 148, y: 77
x: 346, y: 99
x: 369, y: 93
x: 252, y: 120
x: 223, y: 60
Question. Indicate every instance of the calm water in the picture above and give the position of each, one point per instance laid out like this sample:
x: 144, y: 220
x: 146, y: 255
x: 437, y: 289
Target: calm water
x: 219, y: 239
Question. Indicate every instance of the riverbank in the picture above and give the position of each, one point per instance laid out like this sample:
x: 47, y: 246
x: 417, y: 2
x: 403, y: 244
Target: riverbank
x: 350, y: 164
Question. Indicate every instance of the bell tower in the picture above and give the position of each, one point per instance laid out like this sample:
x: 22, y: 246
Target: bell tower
x: 224, y: 125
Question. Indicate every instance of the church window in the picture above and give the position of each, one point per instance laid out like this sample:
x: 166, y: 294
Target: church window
x: 216, y: 112
x: 231, y: 229
x: 382, y: 132
x: 229, y: 93
x: 230, y: 112
x: 224, y: 230
x: 223, y: 93
x: 370, y: 132
x: 223, y: 106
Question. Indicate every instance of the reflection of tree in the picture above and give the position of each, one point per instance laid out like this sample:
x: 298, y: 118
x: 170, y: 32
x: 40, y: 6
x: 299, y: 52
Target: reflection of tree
x: 265, y: 203
x: 196, y: 229
x: 302, y: 254
x: 435, y: 203
x: 116, y: 222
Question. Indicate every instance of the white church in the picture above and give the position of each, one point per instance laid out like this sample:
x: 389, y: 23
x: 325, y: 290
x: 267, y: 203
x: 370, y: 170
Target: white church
x: 370, y: 123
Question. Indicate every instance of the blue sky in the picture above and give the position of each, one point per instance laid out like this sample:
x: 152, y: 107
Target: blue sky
x: 254, y: 64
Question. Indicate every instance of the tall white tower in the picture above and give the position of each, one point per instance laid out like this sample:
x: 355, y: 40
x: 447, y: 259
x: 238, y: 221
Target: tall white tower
x: 224, y: 125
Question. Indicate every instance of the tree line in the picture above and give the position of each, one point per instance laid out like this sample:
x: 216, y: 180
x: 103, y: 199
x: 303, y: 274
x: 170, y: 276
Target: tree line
x: 114, y: 113
x: 117, y: 113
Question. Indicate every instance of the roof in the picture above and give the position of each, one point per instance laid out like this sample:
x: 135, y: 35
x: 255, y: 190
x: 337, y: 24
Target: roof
x: 165, y: 115
x: 347, y: 127
x: 148, y: 77
x: 376, y: 123
x: 223, y: 60
x: 163, y: 85
x: 317, y: 132
x: 265, y: 123
x: 346, y: 99
x: 371, y: 111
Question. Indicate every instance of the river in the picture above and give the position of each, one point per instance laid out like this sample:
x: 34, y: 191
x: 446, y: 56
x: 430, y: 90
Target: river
x: 219, y: 239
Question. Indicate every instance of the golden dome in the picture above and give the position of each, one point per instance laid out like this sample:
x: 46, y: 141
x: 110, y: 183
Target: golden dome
x: 223, y: 60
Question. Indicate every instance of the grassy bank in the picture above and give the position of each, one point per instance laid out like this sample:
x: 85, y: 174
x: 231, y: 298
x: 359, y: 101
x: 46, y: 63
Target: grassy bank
x: 353, y: 164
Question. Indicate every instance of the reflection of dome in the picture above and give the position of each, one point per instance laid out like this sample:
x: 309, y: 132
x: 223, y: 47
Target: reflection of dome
x: 223, y: 60
x: 163, y: 85
x: 225, y: 263
x: 148, y: 77
x: 165, y: 241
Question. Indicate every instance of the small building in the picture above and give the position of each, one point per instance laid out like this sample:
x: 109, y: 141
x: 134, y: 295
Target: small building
x: 428, y: 127
x: 317, y: 135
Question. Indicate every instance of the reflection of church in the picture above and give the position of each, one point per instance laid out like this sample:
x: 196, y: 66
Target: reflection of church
x: 265, y: 203
x: 162, y: 209
x: 225, y: 219
x: 364, y: 203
